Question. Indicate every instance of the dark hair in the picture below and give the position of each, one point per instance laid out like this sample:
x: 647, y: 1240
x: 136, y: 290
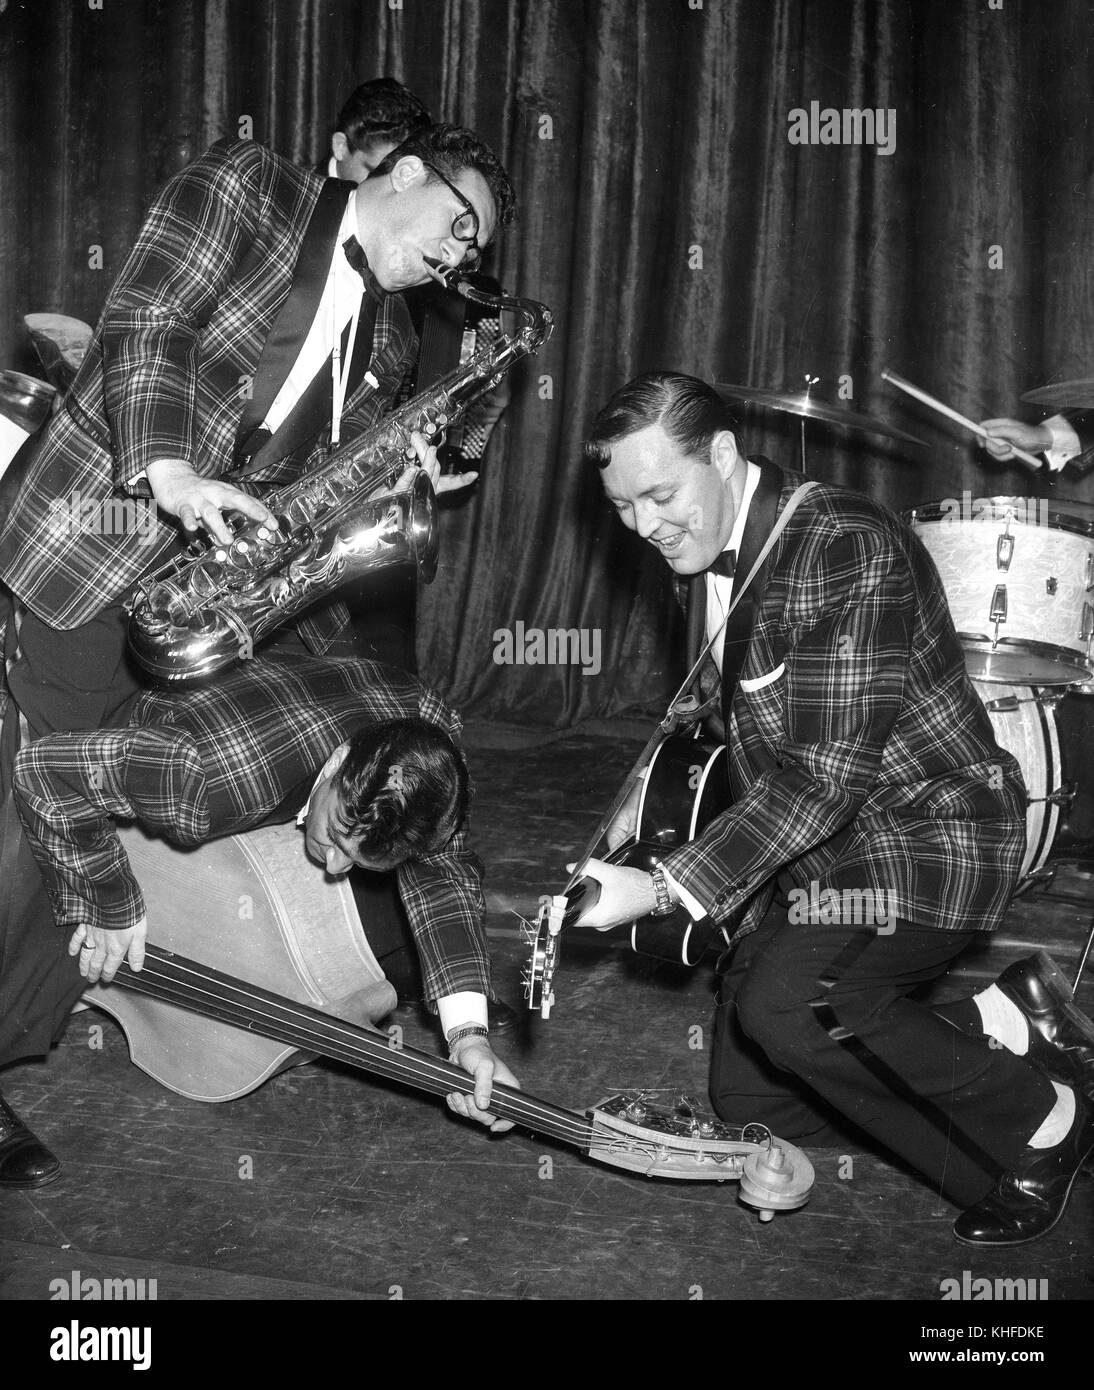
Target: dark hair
x: 452, y: 148
x: 382, y: 109
x: 689, y: 411
x: 402, y: 788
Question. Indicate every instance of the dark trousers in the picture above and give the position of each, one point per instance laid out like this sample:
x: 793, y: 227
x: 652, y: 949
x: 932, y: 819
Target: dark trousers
x: 80, y: 679
x: 39, y: 980
x: 61, y: 681
x: 383, y: 610
x: 814, y: 1022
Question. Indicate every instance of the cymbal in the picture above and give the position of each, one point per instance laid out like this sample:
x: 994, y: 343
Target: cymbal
x: 1075, y: 395
x: 810, y: 408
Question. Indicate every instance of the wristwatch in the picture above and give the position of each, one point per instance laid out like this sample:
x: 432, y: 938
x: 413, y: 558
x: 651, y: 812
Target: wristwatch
x: 138, y: 486
x: 665, y: 905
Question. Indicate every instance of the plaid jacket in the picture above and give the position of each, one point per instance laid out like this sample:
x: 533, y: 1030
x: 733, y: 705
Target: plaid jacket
x: 860, y: 755
x: 180, y: 338
x: 195, y: 765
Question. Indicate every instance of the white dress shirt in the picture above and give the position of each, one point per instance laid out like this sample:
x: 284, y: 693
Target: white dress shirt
x: 719, y: 588
x: 340, y: 304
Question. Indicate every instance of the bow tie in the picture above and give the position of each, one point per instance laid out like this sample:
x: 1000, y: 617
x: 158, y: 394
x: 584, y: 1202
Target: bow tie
x: 356, y: 257
x: 723, y: 565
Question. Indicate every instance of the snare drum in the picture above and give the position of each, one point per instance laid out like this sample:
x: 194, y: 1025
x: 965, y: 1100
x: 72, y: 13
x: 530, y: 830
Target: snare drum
x: 1019, y: 577
x: 1024, y: 721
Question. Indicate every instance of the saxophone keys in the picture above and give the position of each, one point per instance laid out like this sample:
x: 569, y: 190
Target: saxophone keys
x: 208, y: 579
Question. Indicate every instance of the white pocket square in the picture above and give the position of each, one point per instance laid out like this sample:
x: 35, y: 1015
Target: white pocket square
x: 761, y: 681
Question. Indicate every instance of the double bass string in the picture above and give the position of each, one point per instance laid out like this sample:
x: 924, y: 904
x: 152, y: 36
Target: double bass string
x: 373, y: 1056
x: 240, y: 1004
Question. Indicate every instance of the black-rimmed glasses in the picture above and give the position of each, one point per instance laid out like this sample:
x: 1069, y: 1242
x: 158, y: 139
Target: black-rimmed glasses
x: 465, y: 225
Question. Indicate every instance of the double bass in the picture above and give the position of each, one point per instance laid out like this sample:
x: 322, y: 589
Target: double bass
x: 257, y: 961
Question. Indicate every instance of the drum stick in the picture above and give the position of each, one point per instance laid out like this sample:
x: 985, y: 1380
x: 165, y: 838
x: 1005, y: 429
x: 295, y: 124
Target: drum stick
x: 902, y: 385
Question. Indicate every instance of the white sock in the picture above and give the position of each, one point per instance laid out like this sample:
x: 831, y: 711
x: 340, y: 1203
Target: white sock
x: 1003, y: 1020
x: 1058, y: 1122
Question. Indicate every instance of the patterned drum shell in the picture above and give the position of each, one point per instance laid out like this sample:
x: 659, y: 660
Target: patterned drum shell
x: 1024, y: 721
x: 1019, y: 578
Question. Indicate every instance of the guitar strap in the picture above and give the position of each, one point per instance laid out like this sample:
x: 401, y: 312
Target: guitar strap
x: 690, y: 681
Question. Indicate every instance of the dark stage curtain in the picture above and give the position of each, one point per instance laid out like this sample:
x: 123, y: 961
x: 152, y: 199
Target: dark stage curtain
x: 666, y: 219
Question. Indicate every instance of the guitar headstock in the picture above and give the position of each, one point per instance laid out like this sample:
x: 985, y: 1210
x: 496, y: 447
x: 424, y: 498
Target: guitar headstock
x: 633, y: 1131
x: 539, y: 978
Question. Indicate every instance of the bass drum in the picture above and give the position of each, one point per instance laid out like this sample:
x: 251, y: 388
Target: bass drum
x: 1024, y: 720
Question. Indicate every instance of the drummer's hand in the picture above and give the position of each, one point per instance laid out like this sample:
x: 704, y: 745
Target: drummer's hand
x: 479, y: 1060
x: 625, y: 895
x: 107, y: 950
x: 625, y: 823
x: 427, y: 459
x: 201, y: 502
x: 1004, y: 434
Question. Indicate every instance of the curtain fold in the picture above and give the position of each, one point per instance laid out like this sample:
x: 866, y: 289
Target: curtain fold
x: 666, y: 219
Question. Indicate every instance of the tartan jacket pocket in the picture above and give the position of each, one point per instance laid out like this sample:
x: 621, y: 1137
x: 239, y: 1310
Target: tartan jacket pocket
x: 760, y: 682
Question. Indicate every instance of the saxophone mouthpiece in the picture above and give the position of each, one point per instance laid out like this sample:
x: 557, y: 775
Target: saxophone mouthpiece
x: 440, y: 272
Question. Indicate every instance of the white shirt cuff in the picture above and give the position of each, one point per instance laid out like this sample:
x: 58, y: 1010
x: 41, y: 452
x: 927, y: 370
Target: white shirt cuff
x: 689, y: 900
x: 457, y: 1009
x: 1065, y: 442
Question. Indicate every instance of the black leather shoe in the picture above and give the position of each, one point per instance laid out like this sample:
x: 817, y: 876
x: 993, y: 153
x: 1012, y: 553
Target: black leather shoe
x: 1029, y: 1199
x: 24, y: 1159
x: 1061, y: 1037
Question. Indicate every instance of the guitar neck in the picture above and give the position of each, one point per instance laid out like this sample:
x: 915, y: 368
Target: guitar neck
x: 195, y: 987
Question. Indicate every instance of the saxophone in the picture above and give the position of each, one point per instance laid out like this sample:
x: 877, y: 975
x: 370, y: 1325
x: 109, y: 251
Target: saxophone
x: 207, y: 609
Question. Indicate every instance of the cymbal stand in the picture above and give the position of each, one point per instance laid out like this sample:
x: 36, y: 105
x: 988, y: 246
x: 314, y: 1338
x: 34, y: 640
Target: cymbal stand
x: 810, y: 382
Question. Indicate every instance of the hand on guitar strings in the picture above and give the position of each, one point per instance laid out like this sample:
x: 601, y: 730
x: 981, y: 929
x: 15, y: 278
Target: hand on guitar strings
x: 480, y: 1061
x: 625, y: 895
x: 430, y: 464
x: 102, y: 951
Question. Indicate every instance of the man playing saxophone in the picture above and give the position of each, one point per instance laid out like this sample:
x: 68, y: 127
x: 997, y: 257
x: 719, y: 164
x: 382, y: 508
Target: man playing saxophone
x: 258, y: 316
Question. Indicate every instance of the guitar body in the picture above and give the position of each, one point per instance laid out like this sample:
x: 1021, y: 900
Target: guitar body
x: 253, y: 906
x: 686, y: 786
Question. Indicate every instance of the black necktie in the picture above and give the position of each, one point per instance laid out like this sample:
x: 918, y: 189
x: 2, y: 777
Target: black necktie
x: 356, y: 257
x: 723, y: 565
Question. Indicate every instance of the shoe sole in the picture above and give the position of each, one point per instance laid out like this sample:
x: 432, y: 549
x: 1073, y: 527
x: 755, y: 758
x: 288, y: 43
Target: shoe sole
x: 1028, y: 1240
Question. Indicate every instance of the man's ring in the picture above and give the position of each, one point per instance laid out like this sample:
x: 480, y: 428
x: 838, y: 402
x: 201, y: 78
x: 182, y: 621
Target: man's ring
x: 88, y: 946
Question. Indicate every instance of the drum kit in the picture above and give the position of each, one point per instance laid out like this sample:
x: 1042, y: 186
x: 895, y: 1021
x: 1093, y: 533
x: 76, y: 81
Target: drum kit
x: 1019, y: 577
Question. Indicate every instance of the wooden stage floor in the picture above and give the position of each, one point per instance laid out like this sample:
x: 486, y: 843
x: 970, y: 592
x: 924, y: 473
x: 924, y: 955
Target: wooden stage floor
x: 324, y: 1184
